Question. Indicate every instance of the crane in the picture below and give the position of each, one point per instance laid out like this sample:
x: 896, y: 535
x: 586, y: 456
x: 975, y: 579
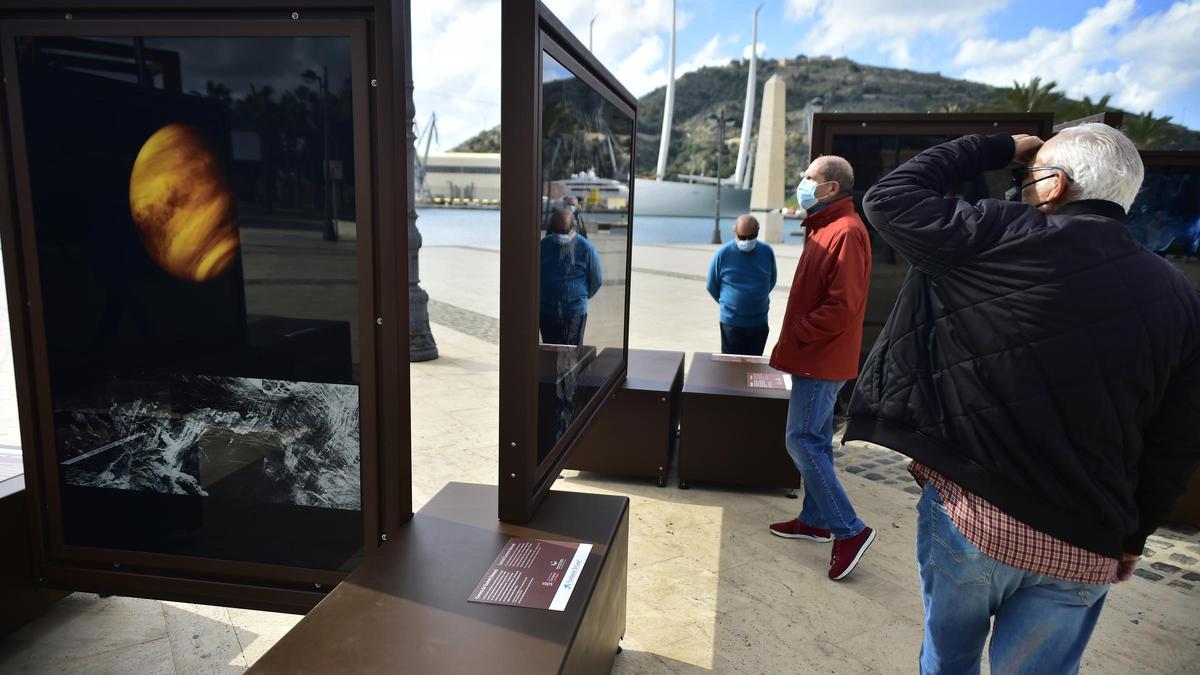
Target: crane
x: 429, y: 134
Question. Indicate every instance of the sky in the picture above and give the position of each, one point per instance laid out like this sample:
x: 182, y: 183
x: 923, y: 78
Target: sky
x: 1146, y: 53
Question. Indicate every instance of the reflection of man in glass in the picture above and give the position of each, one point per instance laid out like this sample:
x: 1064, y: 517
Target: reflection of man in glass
x: 570, y: 276
x: 572, y: 204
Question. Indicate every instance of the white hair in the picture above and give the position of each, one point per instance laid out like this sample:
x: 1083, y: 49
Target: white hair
x: 1103, y: 162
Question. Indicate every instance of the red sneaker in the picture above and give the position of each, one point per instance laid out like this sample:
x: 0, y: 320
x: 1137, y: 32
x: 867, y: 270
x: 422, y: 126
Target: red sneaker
x: 847, y: 553
x: 794, y: 529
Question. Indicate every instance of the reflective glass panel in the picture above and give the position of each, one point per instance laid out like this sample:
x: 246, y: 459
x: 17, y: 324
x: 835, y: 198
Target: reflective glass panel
x: 194, y: 210
x: 1166, y: 215
x: 587, y: 145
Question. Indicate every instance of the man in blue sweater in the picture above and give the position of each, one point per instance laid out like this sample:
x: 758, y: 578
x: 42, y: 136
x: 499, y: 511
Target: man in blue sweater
x: 570, y: 276
x: 740, y: 279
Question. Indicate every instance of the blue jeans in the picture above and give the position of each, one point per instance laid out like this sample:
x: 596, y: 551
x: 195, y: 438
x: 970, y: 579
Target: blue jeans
x: 809, y: 441
x: 1042, y: 624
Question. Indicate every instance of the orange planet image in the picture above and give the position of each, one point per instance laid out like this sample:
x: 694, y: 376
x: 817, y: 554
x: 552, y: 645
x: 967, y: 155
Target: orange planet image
x: 182, y: 205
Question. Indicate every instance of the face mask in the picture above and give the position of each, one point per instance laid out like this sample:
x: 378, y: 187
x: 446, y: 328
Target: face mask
x: 564, y: 238
x: 806, y: 193
x: 572, y: 207
x: 746, y: 245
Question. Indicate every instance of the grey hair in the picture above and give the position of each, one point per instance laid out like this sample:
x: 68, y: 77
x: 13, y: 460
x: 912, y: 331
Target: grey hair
x: 1103, y: 162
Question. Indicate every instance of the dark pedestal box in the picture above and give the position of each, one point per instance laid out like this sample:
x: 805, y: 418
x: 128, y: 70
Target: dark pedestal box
x: 22, y: 601
x: 405, y: 609
x: 731, y: 432
x: 633, y: 432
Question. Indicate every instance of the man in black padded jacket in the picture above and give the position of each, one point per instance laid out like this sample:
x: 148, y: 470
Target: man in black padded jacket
x: 1042, y: 369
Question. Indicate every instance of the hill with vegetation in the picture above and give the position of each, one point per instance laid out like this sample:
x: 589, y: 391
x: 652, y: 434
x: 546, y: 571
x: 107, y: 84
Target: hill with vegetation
x: 844, y: 86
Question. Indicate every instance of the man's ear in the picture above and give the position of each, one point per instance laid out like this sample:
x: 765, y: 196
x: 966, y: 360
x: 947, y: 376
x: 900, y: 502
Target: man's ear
x: 1062, y: 186
x: 837, y: 188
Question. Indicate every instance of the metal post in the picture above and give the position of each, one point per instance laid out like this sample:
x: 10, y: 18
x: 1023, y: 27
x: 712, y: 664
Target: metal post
x: 716, y: 233
x: 421, y: 346
x: 329, y: 229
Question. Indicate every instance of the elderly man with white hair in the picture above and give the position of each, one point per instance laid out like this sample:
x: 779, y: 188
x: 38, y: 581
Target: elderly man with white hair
x: 1042, y: 369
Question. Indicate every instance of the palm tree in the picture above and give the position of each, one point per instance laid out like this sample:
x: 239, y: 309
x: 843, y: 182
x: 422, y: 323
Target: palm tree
x: 1147, y: 131
x: 953, y: 108
x: 1032, y: 96
x: 1075, y: 109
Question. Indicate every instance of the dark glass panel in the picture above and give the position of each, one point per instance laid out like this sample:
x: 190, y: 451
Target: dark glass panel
x: 194, y: 209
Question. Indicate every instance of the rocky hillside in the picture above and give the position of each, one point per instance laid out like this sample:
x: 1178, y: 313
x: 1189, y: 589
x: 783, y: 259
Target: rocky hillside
x: 845, y: 86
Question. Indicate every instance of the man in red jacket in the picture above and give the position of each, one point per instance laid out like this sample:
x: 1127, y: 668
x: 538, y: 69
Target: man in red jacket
x: 819, y: 346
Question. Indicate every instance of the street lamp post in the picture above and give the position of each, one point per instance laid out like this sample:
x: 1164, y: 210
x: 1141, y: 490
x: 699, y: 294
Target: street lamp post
x: 721, y: 121
x: 328, y: 228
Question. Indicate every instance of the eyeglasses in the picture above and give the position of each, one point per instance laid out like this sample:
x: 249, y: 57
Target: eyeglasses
x: 1020, y: 173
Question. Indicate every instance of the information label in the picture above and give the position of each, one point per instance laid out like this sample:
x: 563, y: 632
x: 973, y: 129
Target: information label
x: 535, y: 573
x: 769, y: 381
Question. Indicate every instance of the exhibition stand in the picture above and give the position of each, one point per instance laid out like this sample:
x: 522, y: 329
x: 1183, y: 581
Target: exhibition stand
x: 634, y: 433
x: 406, y: 609
x: 731, y: 431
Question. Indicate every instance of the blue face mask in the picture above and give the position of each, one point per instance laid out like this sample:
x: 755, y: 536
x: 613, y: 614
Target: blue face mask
x: 572, y: 207
x: 806, y: 193
x: 746, y: 245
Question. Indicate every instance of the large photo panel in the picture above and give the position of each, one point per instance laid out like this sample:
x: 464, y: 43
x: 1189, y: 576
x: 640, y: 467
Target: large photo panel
x: 201, y: 310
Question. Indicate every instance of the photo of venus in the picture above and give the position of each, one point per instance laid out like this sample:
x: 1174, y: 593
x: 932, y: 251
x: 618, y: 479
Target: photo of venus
x: 182, y: 205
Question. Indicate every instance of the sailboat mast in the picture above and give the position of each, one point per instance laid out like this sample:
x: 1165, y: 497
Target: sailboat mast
x: 748, y: 115
x: 664, y: 143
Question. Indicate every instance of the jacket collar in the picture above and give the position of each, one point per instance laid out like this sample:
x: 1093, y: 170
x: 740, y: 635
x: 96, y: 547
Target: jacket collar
x: 1092, y: 207
x: 839, y: 208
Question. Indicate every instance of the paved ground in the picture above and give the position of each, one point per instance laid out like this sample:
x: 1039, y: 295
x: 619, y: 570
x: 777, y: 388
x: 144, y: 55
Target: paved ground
x: 710, y: 589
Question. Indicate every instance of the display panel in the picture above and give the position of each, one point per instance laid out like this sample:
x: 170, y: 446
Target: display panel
x: 587, y: 146
x: 201, y: 319
x: 1165, y: 216
x: 568, y: 141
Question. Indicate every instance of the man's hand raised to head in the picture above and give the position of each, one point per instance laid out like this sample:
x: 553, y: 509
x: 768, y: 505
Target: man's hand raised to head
x: 1027, y: 147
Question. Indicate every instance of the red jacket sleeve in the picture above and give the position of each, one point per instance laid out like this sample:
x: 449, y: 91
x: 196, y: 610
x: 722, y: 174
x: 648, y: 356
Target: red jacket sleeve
x: 846, y: 293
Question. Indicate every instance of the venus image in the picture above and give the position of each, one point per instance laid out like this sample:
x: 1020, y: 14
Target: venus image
x: 182, y: 205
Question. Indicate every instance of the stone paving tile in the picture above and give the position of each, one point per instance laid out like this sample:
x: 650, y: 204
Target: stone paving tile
x: 1172, y: 553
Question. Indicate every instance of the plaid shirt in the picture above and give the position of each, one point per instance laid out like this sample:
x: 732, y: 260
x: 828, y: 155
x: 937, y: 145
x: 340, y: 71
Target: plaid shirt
x: 1000, y: 536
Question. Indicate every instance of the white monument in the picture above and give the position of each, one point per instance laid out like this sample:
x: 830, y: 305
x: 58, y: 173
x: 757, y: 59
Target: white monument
x: 767, y: 196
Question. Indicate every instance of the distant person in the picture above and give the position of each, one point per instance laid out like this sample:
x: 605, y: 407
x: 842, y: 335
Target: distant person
x: 740, y: 279
x: 570, y: 276
x: 820, y: 345
x: 572, y: 204
x: 1042, y: 369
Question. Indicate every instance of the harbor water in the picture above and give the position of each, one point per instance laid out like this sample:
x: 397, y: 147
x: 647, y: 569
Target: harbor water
x: 477, y: 227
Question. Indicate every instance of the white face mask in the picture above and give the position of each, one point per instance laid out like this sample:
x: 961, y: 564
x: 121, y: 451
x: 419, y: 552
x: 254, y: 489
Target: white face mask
x: 564, y: 238
x: 746, y: 245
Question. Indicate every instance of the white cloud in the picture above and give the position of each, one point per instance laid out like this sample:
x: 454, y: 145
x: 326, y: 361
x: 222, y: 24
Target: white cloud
x: 892, y: 26
x: 762, y: 49
x: 456, y: 54
x: 1144, y: 63
x: 715, y: 52
x: 801, y: 9
x: 456, y: 66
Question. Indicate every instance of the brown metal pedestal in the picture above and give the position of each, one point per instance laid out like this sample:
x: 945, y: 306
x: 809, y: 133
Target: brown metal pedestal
x: 731, y: 432
x: 21, y: 600
x: 632, y: 434
x: 405, y: 609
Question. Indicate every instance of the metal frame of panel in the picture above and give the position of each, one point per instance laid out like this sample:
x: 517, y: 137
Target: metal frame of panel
x: 529, y: 29
x: 379, y: 33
